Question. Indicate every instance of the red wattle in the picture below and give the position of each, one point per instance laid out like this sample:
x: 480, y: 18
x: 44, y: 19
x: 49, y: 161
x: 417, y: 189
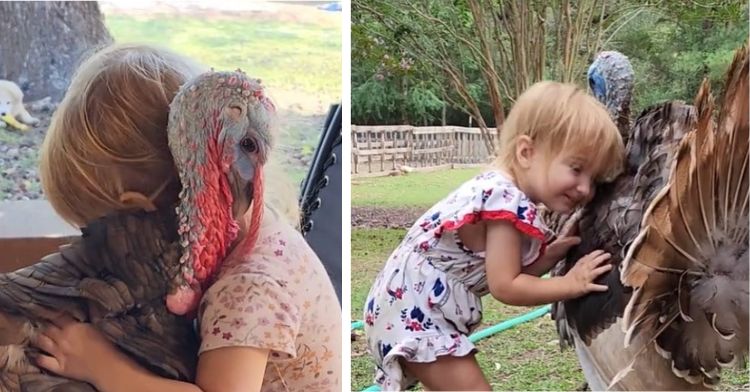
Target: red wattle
x: 184, y: 300
x: 257, y: 213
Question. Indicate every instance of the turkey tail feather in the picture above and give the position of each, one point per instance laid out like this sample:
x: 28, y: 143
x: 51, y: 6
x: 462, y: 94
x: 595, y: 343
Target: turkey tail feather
x: 691, y: 255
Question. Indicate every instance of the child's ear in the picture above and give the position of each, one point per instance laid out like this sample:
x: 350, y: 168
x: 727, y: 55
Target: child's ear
x: 524, y: 151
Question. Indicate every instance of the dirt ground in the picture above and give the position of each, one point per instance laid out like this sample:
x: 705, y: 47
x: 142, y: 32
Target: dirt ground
x: 19, y: 152
x: 380, y: 217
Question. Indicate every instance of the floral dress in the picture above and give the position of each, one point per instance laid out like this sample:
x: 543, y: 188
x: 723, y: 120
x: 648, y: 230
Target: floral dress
x: 281, y: 299
x: 426, y: 300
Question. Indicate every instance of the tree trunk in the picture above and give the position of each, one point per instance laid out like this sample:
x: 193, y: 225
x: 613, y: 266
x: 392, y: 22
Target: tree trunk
x: 43, y: 43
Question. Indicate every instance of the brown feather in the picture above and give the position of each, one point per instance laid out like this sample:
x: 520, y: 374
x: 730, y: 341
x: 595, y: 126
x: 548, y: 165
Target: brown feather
x: 693, y: 243
x: 116, y: 277
x: 612, y: 220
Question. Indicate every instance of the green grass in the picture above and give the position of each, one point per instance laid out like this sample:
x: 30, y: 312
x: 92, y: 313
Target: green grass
x: 370, y: 249
x: 527, y: 357
x: 293, y: 56
x: 298, y: 59
x: 414, y: 189
x: 523, y: 358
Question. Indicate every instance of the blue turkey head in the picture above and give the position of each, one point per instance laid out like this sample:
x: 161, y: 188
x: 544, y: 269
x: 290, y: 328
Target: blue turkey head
x: 610, y: 79
x: 596, y: 83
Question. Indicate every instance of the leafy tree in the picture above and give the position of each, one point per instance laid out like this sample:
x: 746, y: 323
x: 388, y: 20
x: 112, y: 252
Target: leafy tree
x: 427, y: 60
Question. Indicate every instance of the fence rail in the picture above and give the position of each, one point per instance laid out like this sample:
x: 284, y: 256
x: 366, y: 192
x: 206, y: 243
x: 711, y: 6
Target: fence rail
x: 379, y: 150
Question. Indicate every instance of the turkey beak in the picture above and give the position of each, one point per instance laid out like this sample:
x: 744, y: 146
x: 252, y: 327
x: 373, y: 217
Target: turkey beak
x: 242, y: 170
x: 241, y: 181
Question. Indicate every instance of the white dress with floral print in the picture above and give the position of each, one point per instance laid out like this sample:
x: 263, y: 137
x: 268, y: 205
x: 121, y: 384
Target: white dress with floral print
x: 426, y: 300
x: 281, y: 299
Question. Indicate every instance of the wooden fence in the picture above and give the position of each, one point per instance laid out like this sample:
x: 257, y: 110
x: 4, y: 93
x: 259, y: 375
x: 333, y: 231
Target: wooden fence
x: 379, y: 150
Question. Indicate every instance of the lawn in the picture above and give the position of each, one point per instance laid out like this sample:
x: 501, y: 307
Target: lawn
x: 524, y: 358
x: 295, y: 50
x: 304, y: 57
x: 413, y: 190
x: 527, y: 357
x: 298, y: 58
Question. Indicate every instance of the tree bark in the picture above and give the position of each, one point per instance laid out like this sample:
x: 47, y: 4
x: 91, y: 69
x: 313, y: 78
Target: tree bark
x: 491, y: 78
x: 43, y: 42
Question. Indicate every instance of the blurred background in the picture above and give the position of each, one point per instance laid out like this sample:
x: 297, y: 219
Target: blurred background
x: 295, y: 48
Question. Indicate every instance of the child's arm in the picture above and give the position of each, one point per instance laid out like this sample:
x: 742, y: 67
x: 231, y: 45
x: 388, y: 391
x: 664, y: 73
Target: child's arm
x: 81, y: 352
x: 509, y: 285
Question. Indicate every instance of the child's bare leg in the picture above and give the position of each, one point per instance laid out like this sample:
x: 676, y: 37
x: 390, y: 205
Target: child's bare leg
x: 449, y: 373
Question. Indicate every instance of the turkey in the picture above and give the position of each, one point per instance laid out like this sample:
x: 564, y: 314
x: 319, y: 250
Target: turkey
x: 219, y: 134
x: 676, y: 224
x: 114, y: 276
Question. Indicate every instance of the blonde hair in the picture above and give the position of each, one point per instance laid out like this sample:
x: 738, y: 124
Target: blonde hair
x: 560, y: 118
x: 109, y: 135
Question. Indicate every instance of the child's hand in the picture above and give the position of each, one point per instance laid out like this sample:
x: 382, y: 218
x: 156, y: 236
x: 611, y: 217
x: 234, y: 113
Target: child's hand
x: 77, y: 351
x: 586, y: 270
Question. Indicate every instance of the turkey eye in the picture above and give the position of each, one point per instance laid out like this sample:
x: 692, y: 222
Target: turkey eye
x: 248, y: 145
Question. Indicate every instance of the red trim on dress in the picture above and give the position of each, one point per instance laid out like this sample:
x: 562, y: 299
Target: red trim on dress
x: 473, y: 217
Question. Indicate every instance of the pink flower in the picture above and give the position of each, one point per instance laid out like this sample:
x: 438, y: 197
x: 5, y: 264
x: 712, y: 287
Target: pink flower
x: 278, y: 252
x: 425, y: 246
x: 216, y: 331
x: 531, y: 214
x: 263, y: 321
x: 238, y: 322
x: 226, y: 335
x: 399, y: 293
x: 232, y: 302
x: 282, y: 242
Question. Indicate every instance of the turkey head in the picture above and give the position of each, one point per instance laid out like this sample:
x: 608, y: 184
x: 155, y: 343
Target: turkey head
x: 219, y: 135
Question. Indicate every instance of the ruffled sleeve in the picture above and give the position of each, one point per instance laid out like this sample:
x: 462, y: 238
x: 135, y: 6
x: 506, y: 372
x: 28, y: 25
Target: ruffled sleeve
x: 250, y: 310
x: 491, y: 196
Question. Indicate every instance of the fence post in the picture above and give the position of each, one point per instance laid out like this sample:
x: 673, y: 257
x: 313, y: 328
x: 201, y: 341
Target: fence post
x: 454, y: 145
x: 355, y: 152
x: 420, y: 147
x: 369, y: 147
